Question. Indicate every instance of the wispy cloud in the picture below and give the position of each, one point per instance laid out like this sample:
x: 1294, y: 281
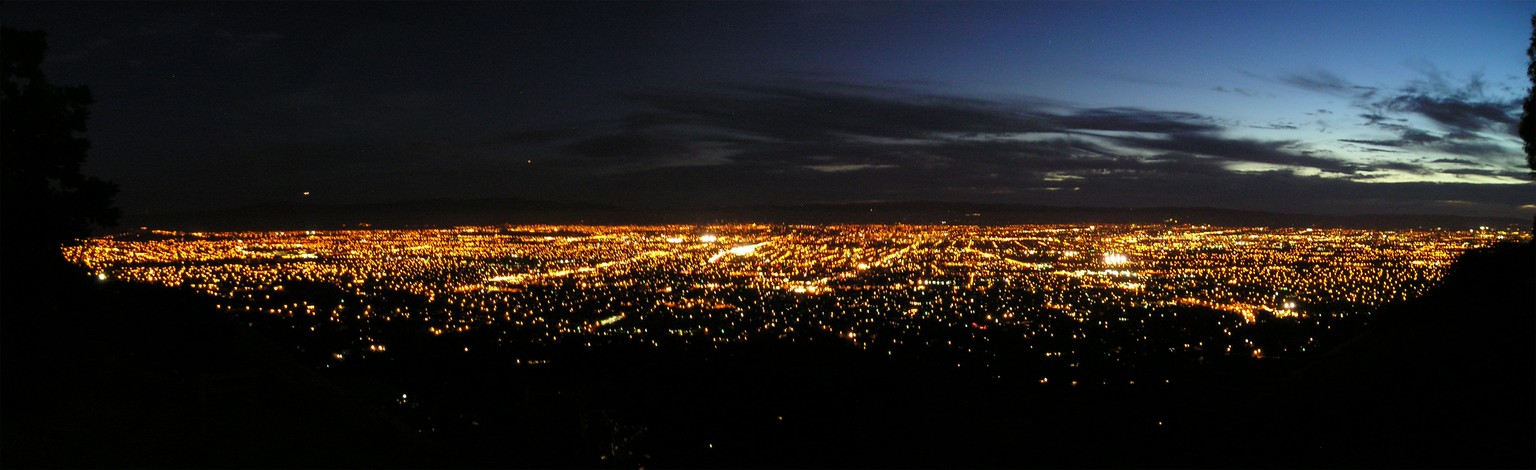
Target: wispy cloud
x: 833, y: 141
x: 1461, y: 117
x: 1323, y: 81
x: 859, y: 127
x: 1235, y: 90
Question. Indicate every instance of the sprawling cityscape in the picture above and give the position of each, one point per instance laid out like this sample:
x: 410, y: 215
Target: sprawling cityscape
x: 761, y: 234
x: 1068, y: 304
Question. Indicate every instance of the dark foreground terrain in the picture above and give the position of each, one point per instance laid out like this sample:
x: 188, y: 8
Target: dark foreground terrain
x: 114, y: 375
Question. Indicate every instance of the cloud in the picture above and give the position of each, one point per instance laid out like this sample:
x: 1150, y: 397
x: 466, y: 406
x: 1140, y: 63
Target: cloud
x: 859, y: 127
x: 1486, y: 150
x: 1383, y: 143
x: 1272, y: 191
x: 1278, y: 126
x: 1323, y: 81
x: 1403, y: 166
x: 1407, y: 137
x: 1455, y: 114
x: 1238, y: 91
x: 1131, y: 120
x: 1462, y: 119
x: 1371, y: 145
x: 828, y: 112
x: 1242, y: 150
x: 809, y: 142
x: 843, y: 168
x: 631, y: 146
x: 1484, y: 172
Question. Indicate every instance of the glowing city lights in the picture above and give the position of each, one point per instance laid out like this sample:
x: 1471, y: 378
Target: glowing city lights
x: 1192, y: 291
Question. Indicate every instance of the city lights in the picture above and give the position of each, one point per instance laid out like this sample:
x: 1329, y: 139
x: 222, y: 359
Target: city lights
x: 1191, y: 292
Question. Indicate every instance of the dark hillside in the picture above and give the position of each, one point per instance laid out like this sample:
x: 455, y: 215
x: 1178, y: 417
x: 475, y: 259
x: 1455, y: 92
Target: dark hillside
x: 102, y: 374
x: 1448, y: 380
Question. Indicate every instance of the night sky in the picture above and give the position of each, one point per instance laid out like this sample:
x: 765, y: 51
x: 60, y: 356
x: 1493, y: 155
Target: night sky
x: 1314, y: 107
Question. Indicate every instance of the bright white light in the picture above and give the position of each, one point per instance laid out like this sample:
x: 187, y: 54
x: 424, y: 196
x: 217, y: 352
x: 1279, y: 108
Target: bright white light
x: 742, y: 250
x: 1115, y: 259
x: 101, y: 276
x: 674, y: 239
x: 708, y: 238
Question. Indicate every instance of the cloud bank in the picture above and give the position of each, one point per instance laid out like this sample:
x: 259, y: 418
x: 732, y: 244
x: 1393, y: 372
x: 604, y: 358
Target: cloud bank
x: 819, y: 142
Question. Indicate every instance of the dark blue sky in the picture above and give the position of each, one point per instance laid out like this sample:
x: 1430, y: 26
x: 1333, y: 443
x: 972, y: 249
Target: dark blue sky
x: 1326, y: 107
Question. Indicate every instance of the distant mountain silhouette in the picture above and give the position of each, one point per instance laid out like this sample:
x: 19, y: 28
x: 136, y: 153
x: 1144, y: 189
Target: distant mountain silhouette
x: 450, y: 212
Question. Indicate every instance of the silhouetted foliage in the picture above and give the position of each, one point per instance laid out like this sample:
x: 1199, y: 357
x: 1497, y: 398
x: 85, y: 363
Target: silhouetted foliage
x: 45, y: 201
x: 1528, y: 119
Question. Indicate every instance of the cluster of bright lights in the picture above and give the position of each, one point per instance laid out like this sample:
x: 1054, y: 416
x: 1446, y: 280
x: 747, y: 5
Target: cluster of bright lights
x: 893, y: 288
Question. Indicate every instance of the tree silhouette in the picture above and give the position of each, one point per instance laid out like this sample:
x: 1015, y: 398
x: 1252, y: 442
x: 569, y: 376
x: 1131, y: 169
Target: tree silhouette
x: 45, y: 201
x: 1528, y: 119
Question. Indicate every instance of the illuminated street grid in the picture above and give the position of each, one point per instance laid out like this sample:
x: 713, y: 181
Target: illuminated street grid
x: 1058, y: 297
